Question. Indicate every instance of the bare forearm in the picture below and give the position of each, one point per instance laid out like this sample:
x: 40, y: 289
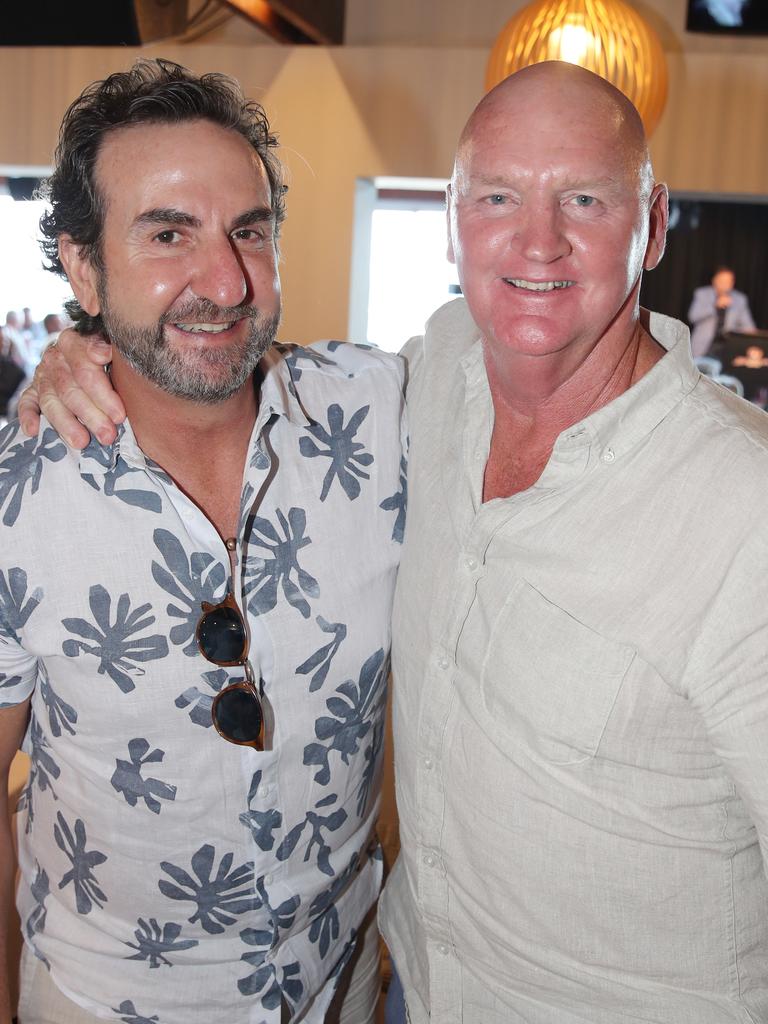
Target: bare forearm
x: 13, y: 722
x: 7, y: 878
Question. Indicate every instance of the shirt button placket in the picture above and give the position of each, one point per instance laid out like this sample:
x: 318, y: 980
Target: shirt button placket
x: 433, y: 889
x: 444, y: 968
x: 444, y: 984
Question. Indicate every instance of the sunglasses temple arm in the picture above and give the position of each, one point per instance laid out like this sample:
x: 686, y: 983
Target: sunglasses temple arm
x: 269, y: 718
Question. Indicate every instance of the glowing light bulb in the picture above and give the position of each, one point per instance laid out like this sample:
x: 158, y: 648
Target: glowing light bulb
x: 606, y: 36
x: 572, y: 43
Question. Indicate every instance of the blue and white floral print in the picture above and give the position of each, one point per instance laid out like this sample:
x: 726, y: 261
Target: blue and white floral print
x: 128, y: 780
x: 154, y: 944
x: 216, y: 882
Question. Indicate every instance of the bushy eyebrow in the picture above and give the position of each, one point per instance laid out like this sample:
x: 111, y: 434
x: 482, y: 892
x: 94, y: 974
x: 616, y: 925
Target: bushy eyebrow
x: 169, y: 216
x: 258, y: 214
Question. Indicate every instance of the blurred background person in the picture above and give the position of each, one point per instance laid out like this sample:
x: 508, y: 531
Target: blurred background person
x: 31, y: 328
x: 52, y: 325
x: 12, y: 373
x: 716, y: 309
x: 12, y: 330
x: 34, y: 333
x: 11, y: 345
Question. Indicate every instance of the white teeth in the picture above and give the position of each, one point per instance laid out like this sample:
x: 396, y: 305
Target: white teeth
x: 537, y: 286
x: 204, y: 328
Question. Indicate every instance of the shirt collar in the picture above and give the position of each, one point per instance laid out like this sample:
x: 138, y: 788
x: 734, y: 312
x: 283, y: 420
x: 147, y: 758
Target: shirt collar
x: 621, y: 424
x: 279, y: 395
x: 613, y: 430
x: 280, y: 392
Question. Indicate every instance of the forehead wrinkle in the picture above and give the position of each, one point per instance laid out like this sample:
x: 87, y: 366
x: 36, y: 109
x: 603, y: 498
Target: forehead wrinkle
x: 580, y: 183
x: 524, y: 179
x: 568, y: 180
x: 556, y: 96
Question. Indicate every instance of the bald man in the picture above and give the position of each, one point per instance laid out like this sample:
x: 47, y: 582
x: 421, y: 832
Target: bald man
x: 581, y: 618
x: 581, y: 706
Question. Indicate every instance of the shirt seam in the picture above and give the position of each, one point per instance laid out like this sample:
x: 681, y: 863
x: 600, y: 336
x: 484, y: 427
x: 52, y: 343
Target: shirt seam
x: 713, y: 413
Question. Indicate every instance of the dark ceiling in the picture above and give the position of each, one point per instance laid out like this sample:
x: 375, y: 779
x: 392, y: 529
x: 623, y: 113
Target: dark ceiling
x: 135, y: 22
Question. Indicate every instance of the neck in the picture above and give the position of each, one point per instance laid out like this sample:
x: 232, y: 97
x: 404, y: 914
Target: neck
x: 167, y: 423
x: 202, y: 447
x: 536, y: 398
x: 566, y: 386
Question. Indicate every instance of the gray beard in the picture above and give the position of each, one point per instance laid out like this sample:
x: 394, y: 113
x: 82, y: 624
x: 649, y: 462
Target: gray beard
x: 216, y: 374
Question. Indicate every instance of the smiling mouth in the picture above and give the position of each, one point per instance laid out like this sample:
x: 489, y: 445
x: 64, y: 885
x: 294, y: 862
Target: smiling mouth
x: 205, y: 328
x: 537, y: 286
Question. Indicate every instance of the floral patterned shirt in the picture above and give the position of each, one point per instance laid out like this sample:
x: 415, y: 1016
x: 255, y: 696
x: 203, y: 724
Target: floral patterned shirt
x: 167, y: 875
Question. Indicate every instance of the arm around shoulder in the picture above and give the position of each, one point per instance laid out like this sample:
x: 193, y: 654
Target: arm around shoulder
x: 73, y: 392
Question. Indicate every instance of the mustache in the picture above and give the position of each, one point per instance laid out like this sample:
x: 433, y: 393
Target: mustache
x: 203, y: 310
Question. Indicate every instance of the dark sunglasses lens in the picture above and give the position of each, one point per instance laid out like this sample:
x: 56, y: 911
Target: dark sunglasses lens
x: 238, y: 715
x: 221, y: 635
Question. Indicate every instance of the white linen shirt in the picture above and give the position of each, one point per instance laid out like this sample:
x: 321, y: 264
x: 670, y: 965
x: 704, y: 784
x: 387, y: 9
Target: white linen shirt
x: 581, y: 707
x: 167, y: 875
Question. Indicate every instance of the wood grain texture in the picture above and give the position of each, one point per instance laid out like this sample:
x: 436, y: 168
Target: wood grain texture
x: 350, y: 112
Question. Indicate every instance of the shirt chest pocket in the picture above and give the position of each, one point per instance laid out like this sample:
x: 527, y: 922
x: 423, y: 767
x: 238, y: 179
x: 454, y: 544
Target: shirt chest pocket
x: 548, y: 682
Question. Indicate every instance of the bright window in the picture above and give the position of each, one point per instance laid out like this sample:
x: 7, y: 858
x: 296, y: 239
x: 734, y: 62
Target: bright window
x: 401, y: 273
x: 23, y: 281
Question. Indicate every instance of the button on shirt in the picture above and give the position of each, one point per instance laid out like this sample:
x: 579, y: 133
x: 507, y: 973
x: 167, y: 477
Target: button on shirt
x: 169, y: 875
x: 581, y: 707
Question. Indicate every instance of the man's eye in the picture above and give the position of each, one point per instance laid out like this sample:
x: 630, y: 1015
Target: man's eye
x: 496, y: 199
x: 584, y: 200
x: 167, y: 237
x: 250, y: 235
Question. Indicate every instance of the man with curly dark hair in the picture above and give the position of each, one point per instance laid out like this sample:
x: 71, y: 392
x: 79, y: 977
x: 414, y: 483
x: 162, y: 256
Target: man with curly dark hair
x: 200, y: 688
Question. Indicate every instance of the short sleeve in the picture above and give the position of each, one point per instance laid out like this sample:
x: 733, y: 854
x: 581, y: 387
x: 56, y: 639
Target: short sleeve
x: 18, y: 673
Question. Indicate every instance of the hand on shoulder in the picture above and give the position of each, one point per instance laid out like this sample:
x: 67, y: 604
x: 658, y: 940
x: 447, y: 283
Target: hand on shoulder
x: 71, y: 389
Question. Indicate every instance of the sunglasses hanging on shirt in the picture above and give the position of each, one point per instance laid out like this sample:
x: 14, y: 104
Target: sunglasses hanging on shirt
x: 241, y: 712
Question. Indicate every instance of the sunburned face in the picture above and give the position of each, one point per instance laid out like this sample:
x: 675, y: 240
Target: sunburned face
x: 189, y: 291
x: 552, y: 218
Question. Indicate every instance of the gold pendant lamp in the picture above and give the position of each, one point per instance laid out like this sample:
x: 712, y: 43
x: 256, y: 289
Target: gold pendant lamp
x: 606, y: 36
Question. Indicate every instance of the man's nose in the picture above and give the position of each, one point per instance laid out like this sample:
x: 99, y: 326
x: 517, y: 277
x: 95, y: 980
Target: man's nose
x: 219, y: 274
x: 541, y: 234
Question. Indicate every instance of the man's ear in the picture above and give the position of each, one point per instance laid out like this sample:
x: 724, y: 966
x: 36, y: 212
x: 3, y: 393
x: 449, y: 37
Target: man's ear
x: 448, y: 203
x: 657, y: 232
x: 81, y: 273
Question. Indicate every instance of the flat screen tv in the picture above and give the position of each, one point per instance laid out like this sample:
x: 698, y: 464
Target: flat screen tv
x: 738, y: 17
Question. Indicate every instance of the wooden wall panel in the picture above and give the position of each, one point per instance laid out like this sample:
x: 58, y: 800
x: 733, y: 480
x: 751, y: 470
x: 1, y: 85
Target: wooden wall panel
x: 356, y: 111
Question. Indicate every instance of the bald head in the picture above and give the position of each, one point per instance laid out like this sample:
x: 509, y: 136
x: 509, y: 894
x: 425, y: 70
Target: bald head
x: 563, y: 98
x: 553, y: 213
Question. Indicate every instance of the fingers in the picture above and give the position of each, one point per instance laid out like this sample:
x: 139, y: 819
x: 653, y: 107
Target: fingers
x: 86, y: 357
x: 66, y: 424
x: 67, y: 395
x: 73, y: 392
x: 28, y: 411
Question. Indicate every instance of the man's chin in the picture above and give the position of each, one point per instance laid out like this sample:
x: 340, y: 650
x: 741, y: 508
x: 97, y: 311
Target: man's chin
x: 196, y: 380
x: 193, y: 366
